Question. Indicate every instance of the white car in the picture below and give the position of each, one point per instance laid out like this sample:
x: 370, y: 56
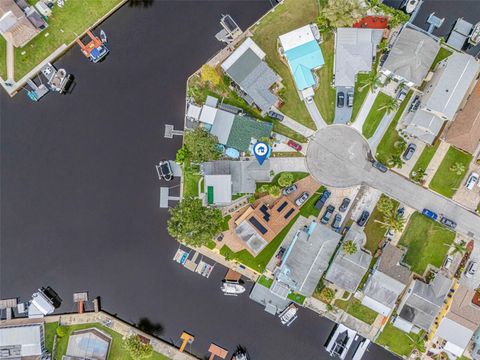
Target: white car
x: 471, y: 269
x: 472, y: 180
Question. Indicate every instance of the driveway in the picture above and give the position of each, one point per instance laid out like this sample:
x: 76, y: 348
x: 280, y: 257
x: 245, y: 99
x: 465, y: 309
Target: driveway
x: 278, y: 165
x: 315, y: 115
x: 344, y: 113
x: 337, y: 156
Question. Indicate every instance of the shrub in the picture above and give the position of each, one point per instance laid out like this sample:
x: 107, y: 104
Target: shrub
x: 61, y: 331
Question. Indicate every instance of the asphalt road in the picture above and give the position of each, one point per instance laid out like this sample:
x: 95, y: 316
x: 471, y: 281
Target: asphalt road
x: 79, y: 191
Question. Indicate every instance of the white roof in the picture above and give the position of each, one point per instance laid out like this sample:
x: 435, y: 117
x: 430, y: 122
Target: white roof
x: 28, y: 337
x: 454, y: 349
x: 454, y: 333
x: 376, y: 306
x: 402, y: 324
x: 194, y: 111
x: 207, y: 115
x: 222, y: 188
x: 247, y: 44
x: 296, y: 37
x: 43, y: 304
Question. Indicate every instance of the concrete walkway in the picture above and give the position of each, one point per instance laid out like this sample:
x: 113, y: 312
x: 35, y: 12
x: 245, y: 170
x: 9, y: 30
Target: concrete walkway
x: 380, y: 131
x: 295, y: 125
x: 436, y: 161
x: 315, y: 115
x: 10, y: 62
x: 364, y: 110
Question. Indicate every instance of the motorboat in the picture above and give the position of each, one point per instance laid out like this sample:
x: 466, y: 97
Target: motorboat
x: 289, y: 315
x: 240, y: 354
x: 474, y: 38
x: 232, y: 289
x: 411, y: 5
x: 103, y: 36
x: 165, y: 170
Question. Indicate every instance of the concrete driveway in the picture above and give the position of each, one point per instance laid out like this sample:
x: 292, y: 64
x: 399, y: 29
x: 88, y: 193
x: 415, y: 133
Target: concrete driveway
x: 315, y: 115
x: 344, y: 113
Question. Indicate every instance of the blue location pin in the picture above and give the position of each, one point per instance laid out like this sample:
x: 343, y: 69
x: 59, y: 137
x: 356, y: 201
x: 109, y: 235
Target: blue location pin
x: 261, y: 152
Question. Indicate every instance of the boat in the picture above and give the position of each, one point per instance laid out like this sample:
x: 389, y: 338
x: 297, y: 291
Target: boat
x: 474, y: 38
x: 165, y: 170
x: 232, y: 288
x: 240, y: 354
x: 411, y: 5
x: 289, y: 315
x: 103, y: 36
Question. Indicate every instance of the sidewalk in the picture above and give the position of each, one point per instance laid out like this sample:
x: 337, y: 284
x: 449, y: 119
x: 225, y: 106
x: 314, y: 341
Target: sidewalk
x: 436, y: 161
x: 10, y: 62
x: 364, y: 110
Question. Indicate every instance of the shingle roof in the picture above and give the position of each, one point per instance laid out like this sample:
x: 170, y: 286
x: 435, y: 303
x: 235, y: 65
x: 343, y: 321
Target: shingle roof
x: 245, y: 128
x: 14, y: 25
x: 462, y: 310
x: 389, y: 264
x: 424, y: 126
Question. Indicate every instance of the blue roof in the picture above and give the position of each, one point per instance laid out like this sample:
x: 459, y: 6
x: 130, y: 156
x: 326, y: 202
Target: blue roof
x: 302, y: 60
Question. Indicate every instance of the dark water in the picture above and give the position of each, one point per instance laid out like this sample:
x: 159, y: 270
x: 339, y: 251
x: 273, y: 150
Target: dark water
x: 79, y: 194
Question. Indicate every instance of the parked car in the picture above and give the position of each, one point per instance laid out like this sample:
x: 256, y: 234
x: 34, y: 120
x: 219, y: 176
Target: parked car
x: 337, y: 220
x: 323, y: 199
x: 362, y: 220
x: 401, y: 211
x: 340, y: 99
x: 415, y: 104
x: 294, y: 145
x: 350, y: 99
x: 389, y: 235
x: 275, y: 115
x: 302, y: 198
x: 328, y: 214
x: 409, y: 151
x: 471, y: 268
x: 309, y: 99
x: 344, y: 206
x: 379, y: 166
x: 448, y: 262
x: 472, y: 180
x: 402, y: 94
x: 289, y: 190
x: 430, y: 214
x: 280, y: 253
x: 165, y: 170
x: 448, y: 222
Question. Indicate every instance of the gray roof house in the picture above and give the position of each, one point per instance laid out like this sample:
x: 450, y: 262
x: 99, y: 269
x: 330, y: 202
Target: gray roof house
x: 411, y: 57
x: 453, y: 80
x: 26, y: 341
x: 305, y: 261
x: 355, y: 49
x: 422, y: 303
x: 388, y: 281
x: 246, y: 66
x: 346, y: 271
x: 244, y: 174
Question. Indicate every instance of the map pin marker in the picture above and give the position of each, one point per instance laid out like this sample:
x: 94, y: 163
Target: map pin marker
x: 261, y: 152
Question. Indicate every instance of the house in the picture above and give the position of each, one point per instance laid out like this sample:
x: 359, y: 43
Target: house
x: 218, y: 189
x: 443, y: 95
x: 347, y: 270
x: 305, y: 260
x: 387, y: 282
x: 422, y: 304
x: 26, y: 341
x: 247, y: 68
x: 464, y: 132
x: 461, y: 321
x: 14, y: 25
x: 244, y: 173
x: 410, y: 57
x: 259, y: 225
x: 303, y: 54
x: 355, y: 50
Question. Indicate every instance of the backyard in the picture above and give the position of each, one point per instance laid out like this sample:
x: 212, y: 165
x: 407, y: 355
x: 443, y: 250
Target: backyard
x: 427, y: 242
x: 398, y: 341
x: 442, y: 54
x: 357, y: 310
x: 63, y: 27
x: 3, y: 58
x: 287, y: 17
x: 425, y: 158
x: 376, y: 114
x: 191, y: 177
x: 447, y: 179
x: 325, y: 93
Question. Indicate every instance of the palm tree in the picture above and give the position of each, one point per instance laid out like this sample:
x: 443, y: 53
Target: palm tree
x: 342, y: 13
x: 458, y: 168
x: 394, y: 221
x: 418, y: 175
x: 349, y: 247
x: 371, y: 82
x: 460, y: 247
x: 417, y: 343
x: 396, y: 161
x: 389, y: 105
x: 385, y: 205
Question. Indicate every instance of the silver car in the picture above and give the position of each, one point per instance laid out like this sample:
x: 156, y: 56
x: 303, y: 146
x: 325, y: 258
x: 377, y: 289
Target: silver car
x: 302, y: 198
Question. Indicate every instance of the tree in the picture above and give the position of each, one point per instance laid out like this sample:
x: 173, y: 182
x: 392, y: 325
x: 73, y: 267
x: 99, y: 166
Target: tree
x: 396, y: 161
x: 340, y: 13
x: 210, y: 74
x: 389, y: 105
x: 417, y: 343
x: 385, y: 205
x: 394, y: 221
x: 418, y: 175
x: 349, y: 247
x: 458, y: 168
x: 200, y: 146
x: 61, y: 331
x: 136, y: 348
x: 460, y: 247
x: 371, y: 82
x: 285, y: 179
x: 400, y: 145
x: 193, y: 224
x: 181, y: 155
x: 327, y: 295
x: 274, y: 191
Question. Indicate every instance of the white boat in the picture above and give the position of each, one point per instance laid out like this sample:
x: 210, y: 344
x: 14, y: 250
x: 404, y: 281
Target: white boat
x: 232, y: 289
x: 411, y: 5
x: 474, y: 38
x: 289, y: 315
x: 103, y: 36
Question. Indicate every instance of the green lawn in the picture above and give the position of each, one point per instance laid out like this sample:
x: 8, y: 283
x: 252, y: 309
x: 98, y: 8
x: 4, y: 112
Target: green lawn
x: 309, y: 208
x: 359, y: 95
x: 288, y: 16
x: 50, y: 335
x: 374, y: 231
x: 357, y: 310
x: 442, y: 54
x: 425, y: 158
x: 191, y: 177
x: 116, y: 352
x: 278, y: 127
x: 445, y: 181
x: 427, y: 242
x: 325, y: 93
x: 397, y: 341
x: 298, y: 298
x: 263, y: 280
x: 386, y: 148
x: 297, y: 175
x: 375, y: 115
x: 225, y: 221
x: 63, y: 26
x: 3, y: 58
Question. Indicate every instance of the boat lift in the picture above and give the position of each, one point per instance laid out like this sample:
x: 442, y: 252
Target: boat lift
x: 95, y: 50
x: 57, y: 80
x: 230, y: 30
x: 434, y: 21
x: 36, y: 92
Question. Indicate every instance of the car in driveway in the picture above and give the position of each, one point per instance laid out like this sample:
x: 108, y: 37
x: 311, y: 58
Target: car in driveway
x: 323, y: 199
x: 302, y: 198
x: 471, y: 268
x: 294, y: 145
x: 344, y: 206
x: 379, y: 166
x: 328, y: 214
x: 341, y: 99
x: 289, y: 190
x: 309, y: 99
x: 448, y: 222
x: 409, y: 151
x: 337, y: 220
x: 350, y: 99
x: 275, y: 115
x: 362, y: 220
x: 430, y: 214
x: 472, y: 180
x: 402, y: 94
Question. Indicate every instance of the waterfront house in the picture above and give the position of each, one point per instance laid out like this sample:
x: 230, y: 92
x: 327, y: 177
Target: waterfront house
x: 26, y: 341
x: 218, y: 189
x: 15, y: 27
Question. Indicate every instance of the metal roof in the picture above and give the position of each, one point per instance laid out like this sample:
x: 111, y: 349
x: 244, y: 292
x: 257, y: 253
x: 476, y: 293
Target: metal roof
x: 22, y: 340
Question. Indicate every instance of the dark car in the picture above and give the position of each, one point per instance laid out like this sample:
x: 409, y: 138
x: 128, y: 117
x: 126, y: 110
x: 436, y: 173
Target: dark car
x: 290, y: 189
x: 430, y: 214
x: 379, y: 166
x: 337, y: 220
x: 344, y: 206
x: 294, y: 145
x: 448, y: 223
x: 409, y: 151
x: 275, y: 115
x: 401, y: 211
x: 328, y: 214
x: 340, y: 99
x: 362, y: 220
x: 350, y: 99
x: 280, y: 253
x: 165, y: 170
x: 323, y: 199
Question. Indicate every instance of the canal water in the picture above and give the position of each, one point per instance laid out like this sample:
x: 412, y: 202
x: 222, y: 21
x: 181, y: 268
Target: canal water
x: 80, y: 195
